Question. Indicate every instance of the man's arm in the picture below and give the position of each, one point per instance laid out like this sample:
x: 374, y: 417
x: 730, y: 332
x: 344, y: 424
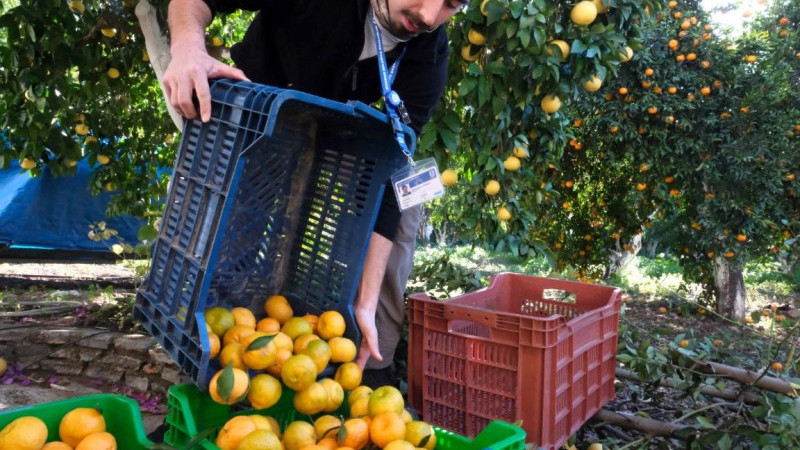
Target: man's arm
x: 191, y: 65
x: 366, y: 302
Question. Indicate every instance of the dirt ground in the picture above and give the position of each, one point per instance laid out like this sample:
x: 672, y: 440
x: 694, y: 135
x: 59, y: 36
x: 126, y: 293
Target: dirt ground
x: 40, y: 281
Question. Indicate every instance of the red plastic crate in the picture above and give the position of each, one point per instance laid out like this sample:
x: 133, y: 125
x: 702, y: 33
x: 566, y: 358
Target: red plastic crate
x: 526, y: 348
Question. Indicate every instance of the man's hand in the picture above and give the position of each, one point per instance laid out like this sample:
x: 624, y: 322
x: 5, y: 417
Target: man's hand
x: 191, y: 66
x: 188, y: 74
x: 369, y: 336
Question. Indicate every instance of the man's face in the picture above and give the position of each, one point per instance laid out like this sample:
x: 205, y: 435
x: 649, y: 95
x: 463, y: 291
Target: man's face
x: 408, y: 18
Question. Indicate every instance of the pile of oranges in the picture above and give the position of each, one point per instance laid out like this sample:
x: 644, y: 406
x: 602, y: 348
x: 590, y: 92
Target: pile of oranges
x: 260, y: 359
x: 377, y: 419
x: 79, y: 429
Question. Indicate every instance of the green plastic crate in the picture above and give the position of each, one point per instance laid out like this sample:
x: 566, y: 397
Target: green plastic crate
x: 192, y: 412
x: 122, y: 415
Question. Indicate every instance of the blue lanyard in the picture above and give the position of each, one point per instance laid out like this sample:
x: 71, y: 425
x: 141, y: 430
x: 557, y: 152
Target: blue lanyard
x: 394, y: 105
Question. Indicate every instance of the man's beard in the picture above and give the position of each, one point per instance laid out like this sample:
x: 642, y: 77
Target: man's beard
x: 381, y: 8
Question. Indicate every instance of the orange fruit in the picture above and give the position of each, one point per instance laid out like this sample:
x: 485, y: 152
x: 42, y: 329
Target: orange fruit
x: 232, y: 354
x: 717, y: 342
x: 312, y: 399
x: 362, y: 391
x: 327, y: 426
x: 421, y: 434
x: 214, y: 345
x: 348, y: 375
x: 265, y: 391
x: 399, y: 445
x: 236, y: 333
x: 280, y: 357
x: 312, y: 319
x: 101, y: 440
x: 227, y: 386
x: 684, y: 343
x: 278, y: 308
x: 335, y: 394
x: 386, y: 399
x: 359, y: 408
x: 330, y: 325
x: 268, y: 324
x: 260, y: 439
x: 24, y: 433
x: 328, y: 443
x: 243, y: 316
x: 386, y: 427
x: 297, y: 326
x: 234, y: 431
x: 79, y: 423
x: 705, y: 90
x: 303, y: 340
x: 219, y: 319
x: 258, y: 350
x: 299, y: 434
x: 777, y: 366
x: 298, y: 372
x: 264, y: 422
x: 342, y: 349
x: 56, y: 445
x: 355, y: 434
x: 662, y: 310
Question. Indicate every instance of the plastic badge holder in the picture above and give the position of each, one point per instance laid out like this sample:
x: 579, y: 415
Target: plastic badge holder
x: 278, y: 193
x: 524, y: 348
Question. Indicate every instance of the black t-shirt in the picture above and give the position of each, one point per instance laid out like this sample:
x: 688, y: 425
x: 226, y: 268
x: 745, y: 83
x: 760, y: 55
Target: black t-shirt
x: 314, y: 45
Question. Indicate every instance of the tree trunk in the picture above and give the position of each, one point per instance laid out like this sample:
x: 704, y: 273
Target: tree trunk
x: 621, y: 257
x: 729, y: 288
x: 157, y: 44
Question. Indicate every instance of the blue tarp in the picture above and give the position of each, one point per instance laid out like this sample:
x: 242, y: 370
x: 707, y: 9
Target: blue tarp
x: 48, y: 212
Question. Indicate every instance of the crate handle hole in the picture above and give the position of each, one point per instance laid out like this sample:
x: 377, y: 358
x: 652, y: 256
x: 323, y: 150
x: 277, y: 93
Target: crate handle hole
x: 469, y: 328
x: 559, y: 295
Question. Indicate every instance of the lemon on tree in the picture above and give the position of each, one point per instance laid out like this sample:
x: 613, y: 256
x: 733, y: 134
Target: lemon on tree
x: 551, y: 103
x: 626, y: 54
x: 449, y: 177
x: 520, y: 152
x: 583, y: 13
x: 466, y: 53
x: 492, y: 187
x: 476, y: 37
x: 512, y: 163
x: 562, y: 45
x: 113, y: 73
x: 593, y: 84
x: 503, y: 214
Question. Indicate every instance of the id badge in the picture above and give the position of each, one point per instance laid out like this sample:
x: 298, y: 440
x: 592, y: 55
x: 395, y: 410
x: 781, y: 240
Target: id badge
x: 417, y: 184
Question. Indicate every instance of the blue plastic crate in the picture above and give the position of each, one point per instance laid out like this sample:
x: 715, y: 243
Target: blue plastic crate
x: 278, y: 193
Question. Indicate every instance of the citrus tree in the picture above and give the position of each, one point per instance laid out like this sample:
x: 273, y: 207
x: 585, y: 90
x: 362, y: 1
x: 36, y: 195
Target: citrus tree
x: 77, y: 83
x: 501, y: 127
x: 694, y: 142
